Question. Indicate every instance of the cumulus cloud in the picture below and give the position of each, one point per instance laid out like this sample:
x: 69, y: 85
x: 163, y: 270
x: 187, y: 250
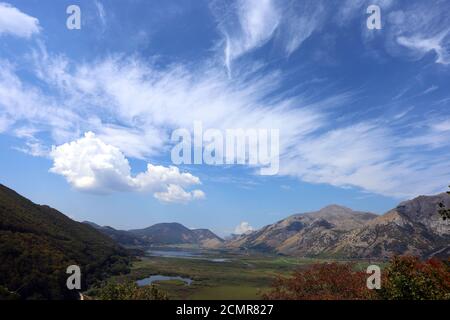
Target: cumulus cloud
x: 175, y: 193
x: 243, y: 228
x: 89, y: 164
x: 15, y: 22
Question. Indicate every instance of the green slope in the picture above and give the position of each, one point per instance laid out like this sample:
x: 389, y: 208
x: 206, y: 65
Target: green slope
x: 38, y: 243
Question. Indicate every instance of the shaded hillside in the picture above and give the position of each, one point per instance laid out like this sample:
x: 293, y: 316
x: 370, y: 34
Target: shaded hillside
x: 38, y: 243
x: 414, y: 227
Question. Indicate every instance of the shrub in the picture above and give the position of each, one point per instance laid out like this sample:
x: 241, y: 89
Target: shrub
x: 130, y: 291
x: 325, y: 281
x: 407, y: 278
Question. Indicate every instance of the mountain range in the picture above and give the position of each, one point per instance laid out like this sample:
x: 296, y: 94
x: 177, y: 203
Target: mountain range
x: 414, y: 227
x: 38, y: 243
x: 162, y: 234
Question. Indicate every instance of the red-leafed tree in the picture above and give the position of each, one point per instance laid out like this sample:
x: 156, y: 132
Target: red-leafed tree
x: 408, y: 278
x: 325, y: 281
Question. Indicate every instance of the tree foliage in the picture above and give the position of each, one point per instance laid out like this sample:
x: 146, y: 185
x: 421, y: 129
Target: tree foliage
x: 324, y: 281
x: 38, y: 243
x: 405, y: 278
x: 408, y: 278
x: 129, y: 291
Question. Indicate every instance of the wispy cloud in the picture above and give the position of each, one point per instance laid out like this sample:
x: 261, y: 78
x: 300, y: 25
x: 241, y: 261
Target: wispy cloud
x: 132, y: 104
x: 420, y: 28
x: 247, y: 25
x: 101, y: 12
x: 424, y: 45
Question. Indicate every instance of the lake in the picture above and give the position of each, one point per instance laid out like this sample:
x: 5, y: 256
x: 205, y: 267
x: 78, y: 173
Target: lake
x: 174, y: 254
x: 149, y: 280
x: 184, y: 254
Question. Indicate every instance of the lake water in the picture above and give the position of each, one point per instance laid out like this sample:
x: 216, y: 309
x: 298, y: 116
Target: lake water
x: 184, y: 254
x: 158, y: 277
x: 174, y: 254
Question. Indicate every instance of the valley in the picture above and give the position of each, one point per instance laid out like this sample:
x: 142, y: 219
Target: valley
x: 197, y: 264
x: 240, y: 276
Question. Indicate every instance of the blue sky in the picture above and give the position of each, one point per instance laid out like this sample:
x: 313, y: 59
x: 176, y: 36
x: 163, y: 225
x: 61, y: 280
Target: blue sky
x: 86, y: 115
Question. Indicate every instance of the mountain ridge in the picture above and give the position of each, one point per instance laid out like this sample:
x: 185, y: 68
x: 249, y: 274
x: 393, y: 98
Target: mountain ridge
x: 413, y: 227
x: 169, y: 233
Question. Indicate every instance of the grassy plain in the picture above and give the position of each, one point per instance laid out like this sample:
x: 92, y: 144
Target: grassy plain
x: 239, y: 277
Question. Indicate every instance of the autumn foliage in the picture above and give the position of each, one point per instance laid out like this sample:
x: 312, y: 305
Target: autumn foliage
x: 411, y: 279
x: 324, y: 281
x: 406, y: 278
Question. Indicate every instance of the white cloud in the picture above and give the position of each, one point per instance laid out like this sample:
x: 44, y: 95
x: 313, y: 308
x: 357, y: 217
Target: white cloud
x: 419, y: 28
x: 89, y: 164
x: 243, y: 227
x: 146, y: 103
x: 28, y: 105
x: 15, y: 22
x: 425, y: 45
x: 442, y: 126
x: 4, y: 124
x: 250, y: 24
x: 175, y: 193
x: 101, y: 12
x: 134, y: 105
x: 300, y: 20
x: 374, y: 158
x: 246, y: 25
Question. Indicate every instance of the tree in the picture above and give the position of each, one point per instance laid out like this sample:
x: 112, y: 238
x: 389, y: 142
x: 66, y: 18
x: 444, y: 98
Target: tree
x: 324, y: 281
x: 443, y: 211
x: 130, y: 291
x: 405, y: 278
x: 408, y: 278
x: 5, y: 294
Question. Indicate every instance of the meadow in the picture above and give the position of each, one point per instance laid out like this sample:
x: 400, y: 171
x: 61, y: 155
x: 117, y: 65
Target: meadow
x: 240, y: 276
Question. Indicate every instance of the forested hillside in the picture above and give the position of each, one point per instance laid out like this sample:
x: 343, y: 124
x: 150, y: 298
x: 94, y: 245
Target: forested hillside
x: 38, y: 243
